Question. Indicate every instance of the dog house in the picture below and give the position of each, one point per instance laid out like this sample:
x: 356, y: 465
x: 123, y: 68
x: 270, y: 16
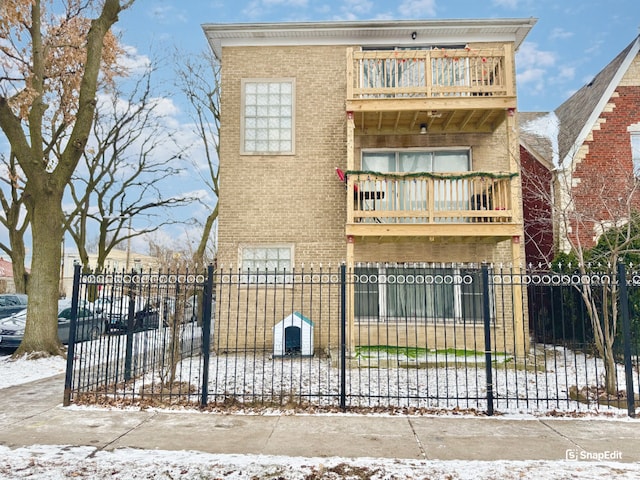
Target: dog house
x: 293, y: 336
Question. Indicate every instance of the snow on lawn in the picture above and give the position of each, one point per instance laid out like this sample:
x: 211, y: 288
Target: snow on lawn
x: 540, y: 387
x: 21, y: 370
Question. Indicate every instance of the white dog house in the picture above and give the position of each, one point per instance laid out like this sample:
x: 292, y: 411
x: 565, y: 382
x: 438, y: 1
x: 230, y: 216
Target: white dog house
x: 293, y: 336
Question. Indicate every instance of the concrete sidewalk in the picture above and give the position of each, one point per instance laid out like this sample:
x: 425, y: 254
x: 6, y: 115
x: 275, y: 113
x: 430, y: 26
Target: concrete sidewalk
x: 33, y: 414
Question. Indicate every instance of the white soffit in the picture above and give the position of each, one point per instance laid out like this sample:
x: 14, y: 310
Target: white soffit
x: 383, y: 33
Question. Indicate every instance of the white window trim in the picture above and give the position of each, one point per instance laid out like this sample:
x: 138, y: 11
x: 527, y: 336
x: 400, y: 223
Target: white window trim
x: 634, y: 134
x: 243, y: 83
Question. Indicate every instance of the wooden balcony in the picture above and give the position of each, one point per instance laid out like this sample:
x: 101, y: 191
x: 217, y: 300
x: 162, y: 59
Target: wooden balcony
x: 446, y: 90
x: 468, y: 204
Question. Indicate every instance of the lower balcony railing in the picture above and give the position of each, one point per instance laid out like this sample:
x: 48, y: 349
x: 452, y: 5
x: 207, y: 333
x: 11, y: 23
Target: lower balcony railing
x: 426, y: 198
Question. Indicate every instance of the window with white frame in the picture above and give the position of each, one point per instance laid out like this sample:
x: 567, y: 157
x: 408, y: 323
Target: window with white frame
x: 266, y: 264
x: 635, y: 150
x: 410, y: 294
x: 268, y: 116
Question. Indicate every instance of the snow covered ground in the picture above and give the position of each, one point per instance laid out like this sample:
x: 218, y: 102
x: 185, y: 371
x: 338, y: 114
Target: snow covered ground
x: 62, y: 462
x: 52, y: 463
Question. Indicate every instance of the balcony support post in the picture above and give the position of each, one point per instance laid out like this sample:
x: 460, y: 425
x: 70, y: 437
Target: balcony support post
x: 350, y: 293
x: 350, y: 254
x: 520, y: 347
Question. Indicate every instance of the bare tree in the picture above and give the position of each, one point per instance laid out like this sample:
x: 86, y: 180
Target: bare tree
x: 49, y: 77
x: 15, y: 219
x: 199, y: 80
x: 125, y: 173
x: 595, y: 223
x: 611, y: 216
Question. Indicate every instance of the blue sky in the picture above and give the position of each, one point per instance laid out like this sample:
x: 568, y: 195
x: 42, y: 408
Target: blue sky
x: 572, y: 41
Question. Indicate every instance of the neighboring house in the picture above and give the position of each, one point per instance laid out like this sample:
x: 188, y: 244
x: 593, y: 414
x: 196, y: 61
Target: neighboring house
x: 6, y: 276
x: 418, y: 117
x: 117, y: 260
x: 588, y: 153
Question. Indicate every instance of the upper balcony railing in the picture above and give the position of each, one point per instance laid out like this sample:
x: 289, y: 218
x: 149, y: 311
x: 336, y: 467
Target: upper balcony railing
x: 426, y: 198
x: 432, y: 73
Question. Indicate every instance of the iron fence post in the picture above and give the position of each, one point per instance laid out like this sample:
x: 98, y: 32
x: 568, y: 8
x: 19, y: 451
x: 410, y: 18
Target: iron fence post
x: 128, y: 356
x: 487, y: 337
x: 206, y: 334
x: 626, y: 338
x: 343, y: 337
x: 68, y: 377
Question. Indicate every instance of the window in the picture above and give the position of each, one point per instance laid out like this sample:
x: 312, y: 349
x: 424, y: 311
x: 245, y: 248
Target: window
x: 635, y: 151
x: 434, y: 294
x: 445, y: 160
x: 449, y: 194
x: 266, y: 264
x: 267, y: 116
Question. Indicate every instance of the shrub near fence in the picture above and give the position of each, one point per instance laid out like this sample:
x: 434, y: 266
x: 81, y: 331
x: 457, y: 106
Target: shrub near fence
x: 408, y: 337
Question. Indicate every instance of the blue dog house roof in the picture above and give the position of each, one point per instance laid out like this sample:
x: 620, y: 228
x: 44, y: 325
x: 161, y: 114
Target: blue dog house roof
x: 303, y: 318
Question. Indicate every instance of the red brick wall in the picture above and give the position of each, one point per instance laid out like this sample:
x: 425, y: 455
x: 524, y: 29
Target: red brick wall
x: 605, y: 175
x: 536, y: 204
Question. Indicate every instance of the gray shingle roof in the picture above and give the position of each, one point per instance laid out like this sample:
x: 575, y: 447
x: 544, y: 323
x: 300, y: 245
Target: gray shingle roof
x: 575, y: 112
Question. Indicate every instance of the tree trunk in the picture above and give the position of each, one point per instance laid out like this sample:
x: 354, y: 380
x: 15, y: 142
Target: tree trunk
x: 41, y: 332
x: 199, y: 255
x: 610, y: 372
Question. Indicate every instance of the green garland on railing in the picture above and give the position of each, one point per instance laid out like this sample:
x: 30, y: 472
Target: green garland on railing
x: 438, y: 176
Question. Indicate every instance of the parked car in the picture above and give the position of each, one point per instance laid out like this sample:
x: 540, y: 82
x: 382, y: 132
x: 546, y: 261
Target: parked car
x: 116, y: 313
x: 191, y: 308
x: 11, y: 303
x: 90, y: 326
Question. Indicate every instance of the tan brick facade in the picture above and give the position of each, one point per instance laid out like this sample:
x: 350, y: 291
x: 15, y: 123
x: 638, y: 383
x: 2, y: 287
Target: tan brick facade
x: 297, y: 199
x: 286, y: 198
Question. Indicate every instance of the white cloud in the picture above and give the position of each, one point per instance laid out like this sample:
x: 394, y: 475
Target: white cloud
x: 566, y: 73
x: 286, y: 3
x: 133, y: 62
x: 529, y: 56
x: 164, y: 107
x: 357, y: 7
x: 560, y: 34
x: 511, y: 4
x: 595, y: 48
x: 533, y: 67
x: 417, y: 8
x: 166, y: 14
x: 258, y: 8
x: 533, y: 80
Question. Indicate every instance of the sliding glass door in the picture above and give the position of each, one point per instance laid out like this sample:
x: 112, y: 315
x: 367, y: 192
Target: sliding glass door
x: 411, y: 193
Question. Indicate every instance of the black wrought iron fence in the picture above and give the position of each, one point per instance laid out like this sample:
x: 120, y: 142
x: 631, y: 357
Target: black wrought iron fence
x: 416, y: 337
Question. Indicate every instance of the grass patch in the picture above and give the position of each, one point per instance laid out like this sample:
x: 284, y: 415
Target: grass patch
x: 424, y: 355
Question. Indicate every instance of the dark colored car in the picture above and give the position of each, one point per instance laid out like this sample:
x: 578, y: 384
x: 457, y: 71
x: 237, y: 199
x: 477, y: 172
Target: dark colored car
x: 89, y: 326
x: 11, y: 303
x: 146, y: 318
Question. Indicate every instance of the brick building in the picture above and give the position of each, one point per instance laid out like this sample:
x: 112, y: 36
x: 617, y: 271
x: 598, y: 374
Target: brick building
x: 588, y: 153
x: 377, y: 144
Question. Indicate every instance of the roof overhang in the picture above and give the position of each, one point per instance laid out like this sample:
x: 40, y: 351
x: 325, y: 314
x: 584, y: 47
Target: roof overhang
x: 370, y: 33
